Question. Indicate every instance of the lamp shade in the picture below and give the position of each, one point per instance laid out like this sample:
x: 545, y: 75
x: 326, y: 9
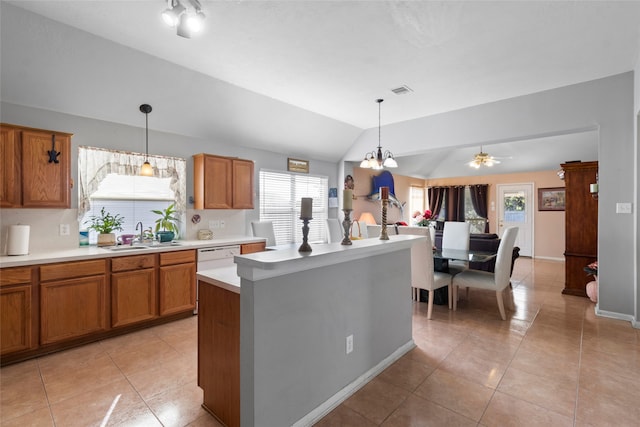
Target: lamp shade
x: 146, y: 169
x: 367, y: 218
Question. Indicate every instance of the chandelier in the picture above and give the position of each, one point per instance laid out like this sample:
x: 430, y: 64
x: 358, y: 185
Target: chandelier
x: 376, y: 159
x: 185, y: 21
x: 482, y: 159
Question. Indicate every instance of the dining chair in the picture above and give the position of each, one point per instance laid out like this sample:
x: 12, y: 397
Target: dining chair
x: 497, y: 281
x: 423, y: 275
x: 335, y: 232
x: 455, y: 235
x: 264, y: 229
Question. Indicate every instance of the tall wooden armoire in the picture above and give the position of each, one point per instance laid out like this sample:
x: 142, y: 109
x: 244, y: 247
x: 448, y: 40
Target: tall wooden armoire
x: 581, y: 225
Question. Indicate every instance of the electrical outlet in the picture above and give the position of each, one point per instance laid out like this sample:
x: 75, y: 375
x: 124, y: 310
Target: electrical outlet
x: 623, y: 208
x: 221, y: 224
x: 64, y: 230
x: 349, y: 344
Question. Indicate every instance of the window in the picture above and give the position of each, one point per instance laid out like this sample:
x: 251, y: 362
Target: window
x: 111, y: 179
x: 416, y: 200
x: 470, y: 214
x: 280, y: 194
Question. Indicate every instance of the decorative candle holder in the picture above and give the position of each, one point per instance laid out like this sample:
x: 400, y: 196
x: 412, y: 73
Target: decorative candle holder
x: 305, y: 247
x: 346, y: 224
x: 383, y: 232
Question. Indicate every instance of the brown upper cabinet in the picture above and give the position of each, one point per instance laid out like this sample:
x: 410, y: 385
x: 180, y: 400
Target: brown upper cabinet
x: 36, y: 168
x: 222, y: 182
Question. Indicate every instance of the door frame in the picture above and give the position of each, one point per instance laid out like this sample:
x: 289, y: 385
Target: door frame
x: 531, y: 206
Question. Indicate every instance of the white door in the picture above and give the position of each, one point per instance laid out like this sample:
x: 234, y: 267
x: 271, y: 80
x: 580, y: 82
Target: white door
x: 515, y: 209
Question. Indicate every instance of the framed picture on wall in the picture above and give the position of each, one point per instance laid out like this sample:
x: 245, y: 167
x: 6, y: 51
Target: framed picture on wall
x: 551, y: 199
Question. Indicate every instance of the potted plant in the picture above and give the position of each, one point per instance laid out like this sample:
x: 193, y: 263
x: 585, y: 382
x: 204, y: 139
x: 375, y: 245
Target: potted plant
x: 167, y: 224
x: 105, y: 224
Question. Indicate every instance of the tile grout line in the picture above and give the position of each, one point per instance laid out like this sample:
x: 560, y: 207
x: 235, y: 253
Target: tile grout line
x: 46, y: 394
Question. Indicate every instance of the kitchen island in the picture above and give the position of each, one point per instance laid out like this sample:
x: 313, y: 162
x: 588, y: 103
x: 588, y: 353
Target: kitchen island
x: 297, y: 312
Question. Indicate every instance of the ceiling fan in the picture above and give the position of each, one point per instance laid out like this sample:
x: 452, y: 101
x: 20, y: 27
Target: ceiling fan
x: 482, y: 159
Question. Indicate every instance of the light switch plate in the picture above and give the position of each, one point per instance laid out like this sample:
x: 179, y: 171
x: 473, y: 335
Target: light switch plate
x: 623, y: 208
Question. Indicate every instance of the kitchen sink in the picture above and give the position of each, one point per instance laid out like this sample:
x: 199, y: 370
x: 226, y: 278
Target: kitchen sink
x: 126, y: 248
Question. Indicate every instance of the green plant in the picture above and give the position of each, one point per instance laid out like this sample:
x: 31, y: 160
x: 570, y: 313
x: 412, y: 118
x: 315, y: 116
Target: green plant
x: 106, y: 223
x: 167, y: 220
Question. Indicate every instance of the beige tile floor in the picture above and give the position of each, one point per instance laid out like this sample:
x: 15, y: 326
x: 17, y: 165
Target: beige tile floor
x: 552, y: 363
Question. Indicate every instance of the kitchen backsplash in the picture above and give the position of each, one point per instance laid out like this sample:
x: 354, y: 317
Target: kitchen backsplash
x: 45, y: 226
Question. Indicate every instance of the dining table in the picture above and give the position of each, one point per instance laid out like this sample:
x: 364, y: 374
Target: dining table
x: 463, y: 255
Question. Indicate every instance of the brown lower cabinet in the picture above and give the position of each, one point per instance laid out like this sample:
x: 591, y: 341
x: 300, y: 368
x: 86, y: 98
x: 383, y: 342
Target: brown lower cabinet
x: 219, y: 352
x: 134, y: 295
x: 18, y: 330
x: 73, y: 300
x: 50, y: 307
x: 177, y: 282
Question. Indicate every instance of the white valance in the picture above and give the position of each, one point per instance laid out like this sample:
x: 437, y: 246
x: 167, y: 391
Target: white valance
x: 94, y: 164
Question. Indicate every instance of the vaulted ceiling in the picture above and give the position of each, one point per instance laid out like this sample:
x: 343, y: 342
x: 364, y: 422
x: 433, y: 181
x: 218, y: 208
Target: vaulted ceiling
x: 333, y: 59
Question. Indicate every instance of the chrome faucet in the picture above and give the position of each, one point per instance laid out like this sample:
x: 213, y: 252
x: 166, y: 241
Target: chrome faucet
x: 141, y: 237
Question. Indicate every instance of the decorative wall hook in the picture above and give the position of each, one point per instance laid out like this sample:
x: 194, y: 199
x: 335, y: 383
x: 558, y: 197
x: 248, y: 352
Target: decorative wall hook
x: 53, y: 154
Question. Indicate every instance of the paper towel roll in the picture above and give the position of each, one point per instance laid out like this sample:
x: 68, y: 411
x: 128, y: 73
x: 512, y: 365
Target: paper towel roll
x: 18, y: 240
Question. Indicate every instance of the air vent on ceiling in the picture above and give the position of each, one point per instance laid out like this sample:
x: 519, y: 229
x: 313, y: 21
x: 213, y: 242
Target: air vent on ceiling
x: 402, y: 90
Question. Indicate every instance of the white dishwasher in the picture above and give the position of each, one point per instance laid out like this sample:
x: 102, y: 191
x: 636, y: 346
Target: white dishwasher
x: 213, y: 257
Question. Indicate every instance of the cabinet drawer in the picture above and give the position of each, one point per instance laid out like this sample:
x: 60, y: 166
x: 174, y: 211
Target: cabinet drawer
x: 132, y: 262
x: 178, y: 257
x: 14, y: 276
x: 70, y: 270
x: 249, y: 248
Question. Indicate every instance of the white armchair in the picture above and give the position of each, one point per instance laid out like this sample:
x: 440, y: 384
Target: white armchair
x: 264, y: 229
x: 422, y: 274
x: 497, y: 281
x: 455, y: 235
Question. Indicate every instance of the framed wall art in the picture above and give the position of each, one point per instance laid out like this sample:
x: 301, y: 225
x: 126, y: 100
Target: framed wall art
x: 551, y: 199
x: 297, y: 165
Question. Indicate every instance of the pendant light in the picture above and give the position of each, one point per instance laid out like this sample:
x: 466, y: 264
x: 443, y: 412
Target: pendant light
x: 146, y: 169
x: 375, y: 159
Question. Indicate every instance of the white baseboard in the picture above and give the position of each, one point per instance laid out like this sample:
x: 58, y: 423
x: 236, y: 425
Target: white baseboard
x: 618, y: 316
x: 549, y: 258
x: 318, y: 413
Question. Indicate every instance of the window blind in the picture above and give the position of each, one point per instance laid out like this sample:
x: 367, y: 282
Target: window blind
x: 280, y: 199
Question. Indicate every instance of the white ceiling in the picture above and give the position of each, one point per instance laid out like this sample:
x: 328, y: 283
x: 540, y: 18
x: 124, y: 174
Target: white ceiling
x: 335, y: 58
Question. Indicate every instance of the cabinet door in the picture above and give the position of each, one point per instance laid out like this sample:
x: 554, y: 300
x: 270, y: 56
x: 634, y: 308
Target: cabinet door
x: 72, y: 308
x: 133, y: 297
x: 45, y: 184
x: 217, y: 183
x: 177, y: 288
x: 16, y: 319
x: 10, y: 187
x: 242, y: 184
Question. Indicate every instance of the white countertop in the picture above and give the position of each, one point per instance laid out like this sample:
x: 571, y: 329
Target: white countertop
x: 94, y: 252
x: 224, y: 277
x: 286, y: 259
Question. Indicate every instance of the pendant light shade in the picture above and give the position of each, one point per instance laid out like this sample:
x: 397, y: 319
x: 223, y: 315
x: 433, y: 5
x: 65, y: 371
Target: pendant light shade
x: 146, y: 169
x: 376, y: 159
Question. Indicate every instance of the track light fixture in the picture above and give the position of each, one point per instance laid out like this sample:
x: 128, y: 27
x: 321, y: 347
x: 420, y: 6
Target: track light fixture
x: 186, y: 20
x: 376, y: 159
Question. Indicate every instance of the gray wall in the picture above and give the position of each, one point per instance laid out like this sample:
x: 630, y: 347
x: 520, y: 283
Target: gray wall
x: 294, y: 326
x: 606, y: 105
